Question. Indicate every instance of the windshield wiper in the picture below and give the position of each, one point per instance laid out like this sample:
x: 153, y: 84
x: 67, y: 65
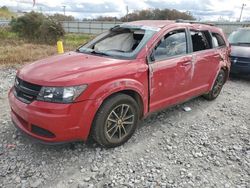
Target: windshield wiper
x: 91, y: 51
x: 99, y: 52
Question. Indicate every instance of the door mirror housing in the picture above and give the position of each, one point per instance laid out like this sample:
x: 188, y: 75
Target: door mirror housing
x: 151, y: 57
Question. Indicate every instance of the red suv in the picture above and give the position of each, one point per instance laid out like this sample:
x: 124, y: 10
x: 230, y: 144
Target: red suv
x: 106, y: 86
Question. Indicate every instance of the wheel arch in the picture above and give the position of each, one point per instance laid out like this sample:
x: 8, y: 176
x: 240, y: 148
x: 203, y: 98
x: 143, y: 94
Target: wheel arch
x: 137, y: 90
x: 224, y: 68
x: 135, y: 95
x: 130, y: 87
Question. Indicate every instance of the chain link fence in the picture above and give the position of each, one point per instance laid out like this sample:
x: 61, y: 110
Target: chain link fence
x: 90, y: 27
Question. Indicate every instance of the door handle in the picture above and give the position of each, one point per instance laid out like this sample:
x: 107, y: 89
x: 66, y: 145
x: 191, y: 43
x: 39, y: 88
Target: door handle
x: 186, y: 63
x: 142, y: 69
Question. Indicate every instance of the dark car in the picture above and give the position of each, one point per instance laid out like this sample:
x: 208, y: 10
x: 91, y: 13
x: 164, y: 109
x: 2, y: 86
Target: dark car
x: 240, y: 51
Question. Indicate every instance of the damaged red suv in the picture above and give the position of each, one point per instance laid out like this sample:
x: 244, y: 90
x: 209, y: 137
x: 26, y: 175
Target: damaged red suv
x: 108, y: 85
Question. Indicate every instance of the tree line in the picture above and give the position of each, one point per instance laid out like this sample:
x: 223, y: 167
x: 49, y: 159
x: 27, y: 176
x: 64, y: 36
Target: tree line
x: 147, y: 14
x: 151, y: 14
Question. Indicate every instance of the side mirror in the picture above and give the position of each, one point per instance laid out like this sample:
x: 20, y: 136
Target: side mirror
x: 152, y: 56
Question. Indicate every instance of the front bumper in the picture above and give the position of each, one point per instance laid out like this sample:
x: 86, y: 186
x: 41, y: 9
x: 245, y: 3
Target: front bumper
x: 240, y: 68
x: 53, y: 122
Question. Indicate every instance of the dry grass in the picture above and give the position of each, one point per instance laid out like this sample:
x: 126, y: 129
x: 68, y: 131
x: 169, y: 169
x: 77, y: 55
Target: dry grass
x: 15, y: 51
x: 20, y: 52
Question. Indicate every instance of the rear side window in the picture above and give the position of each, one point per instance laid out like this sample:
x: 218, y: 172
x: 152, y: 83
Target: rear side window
x: 201, y: 40
x: 172, y: 44
x: 218, y: 40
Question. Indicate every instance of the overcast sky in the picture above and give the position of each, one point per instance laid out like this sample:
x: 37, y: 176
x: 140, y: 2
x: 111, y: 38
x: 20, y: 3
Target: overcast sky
x: 201, y: 9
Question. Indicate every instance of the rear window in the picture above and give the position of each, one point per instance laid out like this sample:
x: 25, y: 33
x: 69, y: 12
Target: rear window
x: 218, y: 40
x: 201, y: 40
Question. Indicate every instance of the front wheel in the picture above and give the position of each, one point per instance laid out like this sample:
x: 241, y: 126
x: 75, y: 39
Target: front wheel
x: 217, y: 87
x: 115, y: 121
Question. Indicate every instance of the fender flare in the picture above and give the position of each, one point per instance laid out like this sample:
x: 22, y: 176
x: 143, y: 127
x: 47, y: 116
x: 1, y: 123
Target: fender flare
x: 222, y: 65
x: 120, y: 85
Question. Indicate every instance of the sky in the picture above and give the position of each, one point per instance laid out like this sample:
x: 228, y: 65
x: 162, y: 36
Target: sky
x: 203, y: 10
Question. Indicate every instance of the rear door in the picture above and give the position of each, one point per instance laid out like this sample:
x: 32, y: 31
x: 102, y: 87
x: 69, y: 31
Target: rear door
x: 205, y: 61
x: 170, y: 69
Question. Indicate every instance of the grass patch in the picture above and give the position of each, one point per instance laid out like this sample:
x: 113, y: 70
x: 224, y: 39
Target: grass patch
x: 14, y: 50
x: 75, y: 40
x: 19, y: 52
x: 6, y: 34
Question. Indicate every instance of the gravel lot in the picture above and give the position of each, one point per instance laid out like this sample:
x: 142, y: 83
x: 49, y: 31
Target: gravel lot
x: 206, y: 147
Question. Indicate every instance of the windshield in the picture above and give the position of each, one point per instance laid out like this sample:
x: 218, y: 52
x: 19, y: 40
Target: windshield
x: 239, y: 37
x: 123, y: 42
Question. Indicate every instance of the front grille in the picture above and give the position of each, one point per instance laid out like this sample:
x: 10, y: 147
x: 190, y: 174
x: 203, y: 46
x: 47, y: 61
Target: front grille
x: 41, y: 132
x: 25, y: 91
x: 241, y: 61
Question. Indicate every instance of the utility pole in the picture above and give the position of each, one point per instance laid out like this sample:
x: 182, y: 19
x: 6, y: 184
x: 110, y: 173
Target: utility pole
x: 64, y: 7
x: 17, y: 6
x: 127, y: 13
x: 243, y: 5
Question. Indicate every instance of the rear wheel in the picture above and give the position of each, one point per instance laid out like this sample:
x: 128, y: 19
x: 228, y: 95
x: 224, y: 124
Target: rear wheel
x: 115, y: 121
x: 217, y: 87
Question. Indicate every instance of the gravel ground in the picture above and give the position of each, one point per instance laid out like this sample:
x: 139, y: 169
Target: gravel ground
x: 208, y: 146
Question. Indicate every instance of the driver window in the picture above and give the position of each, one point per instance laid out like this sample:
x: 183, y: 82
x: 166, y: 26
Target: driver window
x: 172, y: 44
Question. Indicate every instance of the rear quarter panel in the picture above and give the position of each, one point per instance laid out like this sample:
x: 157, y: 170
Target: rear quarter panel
x: 225, y: 53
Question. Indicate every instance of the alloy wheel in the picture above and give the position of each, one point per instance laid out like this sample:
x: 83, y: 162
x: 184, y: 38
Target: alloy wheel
x: 218, y: 84
x: 119, y: 123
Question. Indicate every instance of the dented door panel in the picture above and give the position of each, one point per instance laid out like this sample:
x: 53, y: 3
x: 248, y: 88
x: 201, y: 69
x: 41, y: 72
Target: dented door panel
x: 170, y: 80
x: 205, y: 64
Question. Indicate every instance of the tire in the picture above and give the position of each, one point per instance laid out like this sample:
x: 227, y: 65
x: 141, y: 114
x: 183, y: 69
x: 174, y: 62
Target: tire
x: 217, y: 87
x: 116, y: 121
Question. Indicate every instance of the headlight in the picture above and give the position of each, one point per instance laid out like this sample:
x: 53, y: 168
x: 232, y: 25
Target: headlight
x: 60, y: 94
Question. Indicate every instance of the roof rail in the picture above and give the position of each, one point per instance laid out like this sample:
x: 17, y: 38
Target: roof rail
x: 193, y: 22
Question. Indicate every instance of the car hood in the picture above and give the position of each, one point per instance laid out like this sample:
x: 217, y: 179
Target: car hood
x: 240, y: 51
x: 67, y: 69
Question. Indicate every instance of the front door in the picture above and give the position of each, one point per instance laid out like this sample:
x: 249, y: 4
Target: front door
x: 171, y: 70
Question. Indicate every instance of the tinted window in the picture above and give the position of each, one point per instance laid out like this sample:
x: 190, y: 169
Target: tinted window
x: 218, y: 40
x: 172, y: 44
x: 201, y: 40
